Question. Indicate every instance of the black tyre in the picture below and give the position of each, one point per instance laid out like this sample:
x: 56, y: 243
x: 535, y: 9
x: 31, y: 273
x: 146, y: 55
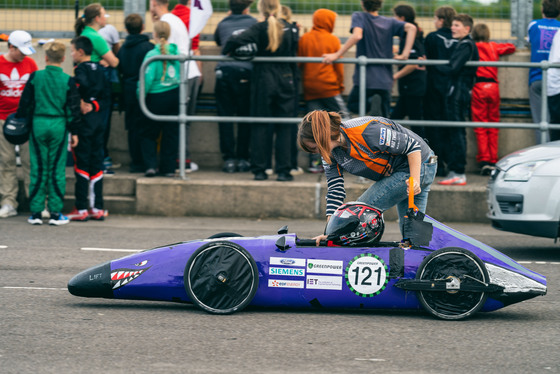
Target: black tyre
x: 221, y: 277
x: 225, y: 235
x: 455, y: 263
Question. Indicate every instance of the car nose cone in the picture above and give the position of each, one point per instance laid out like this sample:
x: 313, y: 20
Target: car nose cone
x: 93, y: 282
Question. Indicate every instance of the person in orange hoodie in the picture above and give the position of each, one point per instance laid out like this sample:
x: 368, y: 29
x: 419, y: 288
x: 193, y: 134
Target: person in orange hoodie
x: 485, y: 101
x: 323, y: 84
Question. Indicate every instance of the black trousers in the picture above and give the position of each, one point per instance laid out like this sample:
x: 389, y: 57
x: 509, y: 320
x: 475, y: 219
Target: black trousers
x: 554, y: 109
x: 133, y: 120
x: 455, y: 146
x: 164, y: 103
x: 412, y: 107
x: 233, y: 95
x: 435, y: 104
x: 385, y: 97
x: 88, y: 161
x: 273, y: 94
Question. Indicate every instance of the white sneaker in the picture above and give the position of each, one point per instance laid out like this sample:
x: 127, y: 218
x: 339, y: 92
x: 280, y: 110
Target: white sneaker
x: 454, y: 179
x: 297, y: 171
x: 7, y: 211
x: 192, y: 166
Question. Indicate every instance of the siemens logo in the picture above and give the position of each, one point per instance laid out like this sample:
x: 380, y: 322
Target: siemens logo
x: 287, y: 272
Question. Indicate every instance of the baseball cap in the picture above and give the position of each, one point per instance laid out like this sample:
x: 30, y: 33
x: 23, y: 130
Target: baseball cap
x: 22, y: 41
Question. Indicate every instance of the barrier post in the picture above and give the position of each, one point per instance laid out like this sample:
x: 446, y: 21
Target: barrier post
x: 362, y: 61
x: 544, y: 103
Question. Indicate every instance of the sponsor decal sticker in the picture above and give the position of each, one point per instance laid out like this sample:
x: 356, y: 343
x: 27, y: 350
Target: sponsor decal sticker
x: 287, y: 261
x: 389, y: 137
x: 287, y: 271
x: 279, y: 283
x: 382, y: 136
x: 324, y: 266
x: 366, y: 275
x: 323, y: 282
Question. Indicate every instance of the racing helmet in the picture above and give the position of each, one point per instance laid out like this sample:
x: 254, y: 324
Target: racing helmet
x: 355, y: 224
x: 16, y: 130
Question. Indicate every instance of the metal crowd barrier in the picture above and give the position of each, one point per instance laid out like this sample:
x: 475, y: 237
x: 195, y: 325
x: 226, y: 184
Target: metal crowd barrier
x: 362, y: 61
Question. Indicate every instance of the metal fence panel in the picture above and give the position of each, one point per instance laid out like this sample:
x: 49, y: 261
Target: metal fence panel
x: 56, y: 18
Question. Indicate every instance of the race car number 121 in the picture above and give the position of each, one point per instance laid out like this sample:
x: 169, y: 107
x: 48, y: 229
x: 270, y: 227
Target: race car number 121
x: 366, y: 275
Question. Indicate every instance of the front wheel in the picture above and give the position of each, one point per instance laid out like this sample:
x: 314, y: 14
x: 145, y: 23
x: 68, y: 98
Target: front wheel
x: 460, y: 266
x: 221, y: 277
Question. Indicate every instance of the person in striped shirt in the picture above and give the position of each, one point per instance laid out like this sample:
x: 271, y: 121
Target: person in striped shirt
x: 375, y: 148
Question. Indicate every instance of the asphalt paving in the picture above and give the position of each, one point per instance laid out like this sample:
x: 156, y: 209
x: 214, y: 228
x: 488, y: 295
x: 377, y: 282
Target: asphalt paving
x: 45, y: 329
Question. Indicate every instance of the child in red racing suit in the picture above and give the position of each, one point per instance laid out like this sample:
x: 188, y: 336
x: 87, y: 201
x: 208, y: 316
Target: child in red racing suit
x: 485, y: 102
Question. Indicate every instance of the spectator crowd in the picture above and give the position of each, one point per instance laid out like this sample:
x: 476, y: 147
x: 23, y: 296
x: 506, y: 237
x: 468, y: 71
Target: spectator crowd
x: 76, y: 115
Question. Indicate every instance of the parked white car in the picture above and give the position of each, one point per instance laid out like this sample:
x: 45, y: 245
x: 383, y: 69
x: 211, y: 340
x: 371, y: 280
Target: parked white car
x: 524, y: 192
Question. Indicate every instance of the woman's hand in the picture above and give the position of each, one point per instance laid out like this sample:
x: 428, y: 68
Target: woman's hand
x: 416, y: 187
x: 320, y: 238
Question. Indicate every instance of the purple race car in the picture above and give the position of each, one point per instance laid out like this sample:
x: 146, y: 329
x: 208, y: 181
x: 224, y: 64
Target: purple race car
x: 443, y: 271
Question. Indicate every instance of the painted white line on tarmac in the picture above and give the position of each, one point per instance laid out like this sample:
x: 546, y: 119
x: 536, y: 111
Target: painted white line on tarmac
x: 369, y: 359
x: 110, y: 249
x: 33, y: 288
x: 3, y: 246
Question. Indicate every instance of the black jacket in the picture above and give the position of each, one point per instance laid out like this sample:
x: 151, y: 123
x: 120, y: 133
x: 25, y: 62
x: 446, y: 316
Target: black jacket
x: 438, y: 45
x: 94, y: 88
x: 131, y: 54
x: 258, y: 35
x: 455, y: 72
x: 413, y: 84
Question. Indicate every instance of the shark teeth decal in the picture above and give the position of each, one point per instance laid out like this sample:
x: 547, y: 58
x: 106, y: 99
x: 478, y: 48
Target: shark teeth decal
x: 121, y: 277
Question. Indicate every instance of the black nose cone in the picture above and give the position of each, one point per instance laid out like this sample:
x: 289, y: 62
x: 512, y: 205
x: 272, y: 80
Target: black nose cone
x: 93, y: 282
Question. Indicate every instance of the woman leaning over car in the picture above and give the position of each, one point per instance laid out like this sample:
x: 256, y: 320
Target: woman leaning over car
x: 371, y: 147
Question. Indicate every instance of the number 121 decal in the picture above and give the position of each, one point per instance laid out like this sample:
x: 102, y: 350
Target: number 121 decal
x: 366, y: 275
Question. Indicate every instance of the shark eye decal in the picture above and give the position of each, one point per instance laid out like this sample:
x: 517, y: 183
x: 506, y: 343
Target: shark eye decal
x: 141, y: 263
x: 121, y: 277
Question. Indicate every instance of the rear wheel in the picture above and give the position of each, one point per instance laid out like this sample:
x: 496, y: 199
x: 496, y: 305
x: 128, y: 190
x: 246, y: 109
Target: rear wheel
x: 221, y: 277
x: 461, y: 267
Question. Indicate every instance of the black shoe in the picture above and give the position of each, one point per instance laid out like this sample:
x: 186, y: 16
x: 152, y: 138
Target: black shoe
x: 229, y: 166
x: 285, y: 177
x: 243, y: 166
x: 150, y: 172
x: 261, y: 176
x: 136, y: 169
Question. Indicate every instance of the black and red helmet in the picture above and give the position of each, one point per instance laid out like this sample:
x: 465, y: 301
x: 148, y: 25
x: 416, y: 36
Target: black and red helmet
x: 355, y: 224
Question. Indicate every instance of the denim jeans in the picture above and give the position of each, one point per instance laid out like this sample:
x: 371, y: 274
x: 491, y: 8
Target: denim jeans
x: 391, y: 191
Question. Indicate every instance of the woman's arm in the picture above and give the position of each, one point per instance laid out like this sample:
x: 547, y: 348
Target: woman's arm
x: 110, y: 59
x: 415, y: 164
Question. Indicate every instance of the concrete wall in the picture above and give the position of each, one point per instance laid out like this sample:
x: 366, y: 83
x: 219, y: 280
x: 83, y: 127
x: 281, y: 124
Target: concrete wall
x: 204, y: 144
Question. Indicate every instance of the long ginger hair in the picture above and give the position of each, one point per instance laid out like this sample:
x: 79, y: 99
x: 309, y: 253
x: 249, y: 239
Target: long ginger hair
x: 319, y: 127
x: 272, y: 12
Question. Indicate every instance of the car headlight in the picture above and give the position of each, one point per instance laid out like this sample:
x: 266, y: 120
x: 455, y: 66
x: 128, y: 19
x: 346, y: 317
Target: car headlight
x: 522, y: 172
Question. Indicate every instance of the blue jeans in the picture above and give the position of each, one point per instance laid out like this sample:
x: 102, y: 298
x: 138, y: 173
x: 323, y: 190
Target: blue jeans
x: 391, y: 191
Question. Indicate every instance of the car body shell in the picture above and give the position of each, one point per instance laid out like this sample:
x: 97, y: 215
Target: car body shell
x: 532, y: 206
x: 297, y: 274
